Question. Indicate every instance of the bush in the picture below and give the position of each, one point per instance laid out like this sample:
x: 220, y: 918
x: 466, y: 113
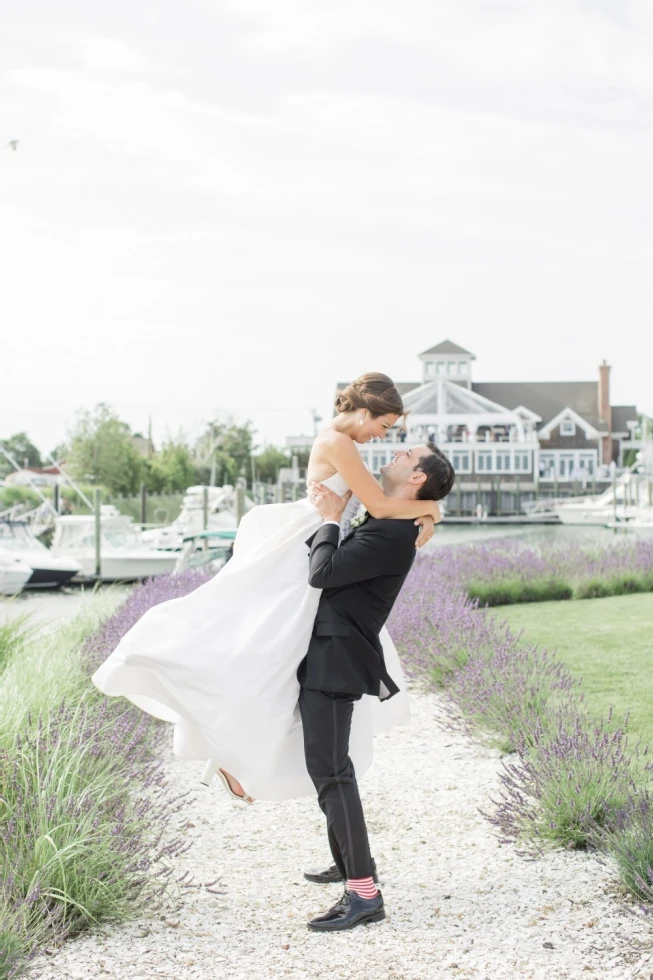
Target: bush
x: 626, y: 584
x: 629, y: 841
x: 509, y: 691
x: 570, y: 781
x: 511, y: 591
x: 10, y: 496
x: 86, y: 819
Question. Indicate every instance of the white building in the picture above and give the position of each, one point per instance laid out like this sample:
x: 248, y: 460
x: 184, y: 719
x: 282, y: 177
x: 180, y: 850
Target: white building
x: 527, y: 432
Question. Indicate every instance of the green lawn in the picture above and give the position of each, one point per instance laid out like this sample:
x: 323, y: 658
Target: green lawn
x: 607, y: 642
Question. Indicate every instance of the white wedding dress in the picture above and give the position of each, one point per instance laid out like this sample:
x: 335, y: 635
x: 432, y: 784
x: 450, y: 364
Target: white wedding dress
x: 221, y: 663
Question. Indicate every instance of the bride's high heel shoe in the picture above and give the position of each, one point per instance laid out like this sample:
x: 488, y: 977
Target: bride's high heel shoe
x: 212, y: 769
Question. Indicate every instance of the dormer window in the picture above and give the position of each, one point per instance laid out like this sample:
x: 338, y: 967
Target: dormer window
x: 567, y: 427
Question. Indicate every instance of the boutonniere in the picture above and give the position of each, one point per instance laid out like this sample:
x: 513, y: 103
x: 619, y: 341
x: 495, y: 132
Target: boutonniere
x: 358, y: 520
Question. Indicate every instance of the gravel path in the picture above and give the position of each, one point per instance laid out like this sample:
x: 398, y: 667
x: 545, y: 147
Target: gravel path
x: 459, y: 904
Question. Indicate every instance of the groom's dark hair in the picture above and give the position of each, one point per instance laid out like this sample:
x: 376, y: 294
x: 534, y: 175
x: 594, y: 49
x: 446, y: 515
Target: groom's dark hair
x: 440, y: 475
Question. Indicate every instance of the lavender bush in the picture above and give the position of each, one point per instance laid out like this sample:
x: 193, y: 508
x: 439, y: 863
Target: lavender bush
x: 87, y: 824
x: 504, y: 570
x: 571, y: 782
x: 628, y: 838
x: 568, y: 784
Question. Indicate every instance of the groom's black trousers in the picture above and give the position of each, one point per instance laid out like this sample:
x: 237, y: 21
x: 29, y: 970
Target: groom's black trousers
x: 326, y: 719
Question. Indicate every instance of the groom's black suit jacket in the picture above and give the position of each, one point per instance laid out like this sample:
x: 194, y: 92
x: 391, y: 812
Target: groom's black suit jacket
x: 360, y: 580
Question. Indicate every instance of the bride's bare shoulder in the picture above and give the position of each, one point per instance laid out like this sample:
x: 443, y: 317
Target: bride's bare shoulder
x: 331, y: 439
x: 329, y: 449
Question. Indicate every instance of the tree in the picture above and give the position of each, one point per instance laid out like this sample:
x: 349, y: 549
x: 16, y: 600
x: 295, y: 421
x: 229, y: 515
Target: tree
x: 22, y: 449
x: 269, y: 462
x: 230, y: 445
x: 101, y: 451
x: 172, y: 470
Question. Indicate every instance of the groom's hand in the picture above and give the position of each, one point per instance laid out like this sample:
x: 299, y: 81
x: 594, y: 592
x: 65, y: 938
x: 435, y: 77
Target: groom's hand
x: 328, y: 504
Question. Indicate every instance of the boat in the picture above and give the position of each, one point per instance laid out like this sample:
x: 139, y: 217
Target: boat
x: 206, y: 549
x: 124, y: 556
x: 220, y: 515
x: 615, y: 503
x: 14, y: 573
x: 48, y: 570
x: 630, y: 496
x: 640, y: 524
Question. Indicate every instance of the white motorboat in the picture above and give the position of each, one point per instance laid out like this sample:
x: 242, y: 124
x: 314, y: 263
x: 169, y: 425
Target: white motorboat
x: 124, y: 556
x: 14, y: 573
x: 641, y: 524
x: 221, y: 515
x: 617, y: 502
x: 48, y: 570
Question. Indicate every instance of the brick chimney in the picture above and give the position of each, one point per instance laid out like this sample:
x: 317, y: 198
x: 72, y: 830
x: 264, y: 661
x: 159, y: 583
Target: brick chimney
x: 605, y: 411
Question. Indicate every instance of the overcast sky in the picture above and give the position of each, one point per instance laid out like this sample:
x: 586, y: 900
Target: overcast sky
x: 229, y: 205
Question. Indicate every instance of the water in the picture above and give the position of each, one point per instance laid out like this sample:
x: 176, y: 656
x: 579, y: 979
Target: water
x: 452, y: 534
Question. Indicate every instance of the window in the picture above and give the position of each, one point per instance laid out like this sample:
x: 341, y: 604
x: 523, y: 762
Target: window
x: 378, y: 460
x: 440, y: 367
x: 484, y: 462
x: 566, y: 466
x: 502, y: 462
x: 522, y: 462
x: 462, y: 367
x: 461, y: 462
x: 547, y: 466
x: 451, y: 367
x: 430, y: 369
x: 567, y: 427
x: 587, y: 464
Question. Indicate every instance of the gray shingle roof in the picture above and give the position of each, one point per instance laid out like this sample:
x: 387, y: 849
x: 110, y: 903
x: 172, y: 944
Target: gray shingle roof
x: 621, y: 415
x: 547, y: 398
x: 447, y: 347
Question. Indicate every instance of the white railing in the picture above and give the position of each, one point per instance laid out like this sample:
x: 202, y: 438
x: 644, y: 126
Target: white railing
x: 413, y: 438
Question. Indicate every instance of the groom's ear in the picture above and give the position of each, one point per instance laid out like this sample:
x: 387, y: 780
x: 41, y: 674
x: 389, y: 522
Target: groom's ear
x: 417, y: 478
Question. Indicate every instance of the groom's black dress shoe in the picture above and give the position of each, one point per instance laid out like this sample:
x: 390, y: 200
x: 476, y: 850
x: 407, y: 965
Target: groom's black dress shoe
x: 350, y: 911
x: 333, y: 875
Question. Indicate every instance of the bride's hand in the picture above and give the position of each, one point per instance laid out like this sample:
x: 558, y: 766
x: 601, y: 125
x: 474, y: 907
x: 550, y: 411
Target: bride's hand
x: 426, y: 525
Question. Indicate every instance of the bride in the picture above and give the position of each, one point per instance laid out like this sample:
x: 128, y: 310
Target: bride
x: 221, y: 663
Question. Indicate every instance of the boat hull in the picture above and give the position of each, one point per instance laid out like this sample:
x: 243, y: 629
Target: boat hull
x: 571, y: 515
x: 121, y: 568
x: 50, y: 578
x: 13, y: 576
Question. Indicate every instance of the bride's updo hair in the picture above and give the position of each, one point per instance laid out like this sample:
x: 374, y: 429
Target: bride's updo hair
x: 374, y: 392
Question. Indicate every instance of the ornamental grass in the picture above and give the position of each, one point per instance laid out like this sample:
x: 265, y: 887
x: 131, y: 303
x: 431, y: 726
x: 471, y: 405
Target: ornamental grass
x: 88, y: 829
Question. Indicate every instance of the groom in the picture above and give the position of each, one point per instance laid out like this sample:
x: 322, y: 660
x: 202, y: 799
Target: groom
x: 361, y: 580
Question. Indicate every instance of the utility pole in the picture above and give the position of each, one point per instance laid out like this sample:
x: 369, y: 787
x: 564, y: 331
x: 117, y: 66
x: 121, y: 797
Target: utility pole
x: 97, y: 514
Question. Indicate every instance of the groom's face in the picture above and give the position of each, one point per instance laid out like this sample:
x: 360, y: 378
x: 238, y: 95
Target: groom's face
x: 402, y: 468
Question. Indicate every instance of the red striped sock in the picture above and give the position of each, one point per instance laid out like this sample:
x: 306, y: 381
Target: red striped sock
x: 364, y: 887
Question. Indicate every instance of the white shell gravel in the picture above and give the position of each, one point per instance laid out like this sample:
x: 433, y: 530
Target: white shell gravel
x: 459, y: 904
